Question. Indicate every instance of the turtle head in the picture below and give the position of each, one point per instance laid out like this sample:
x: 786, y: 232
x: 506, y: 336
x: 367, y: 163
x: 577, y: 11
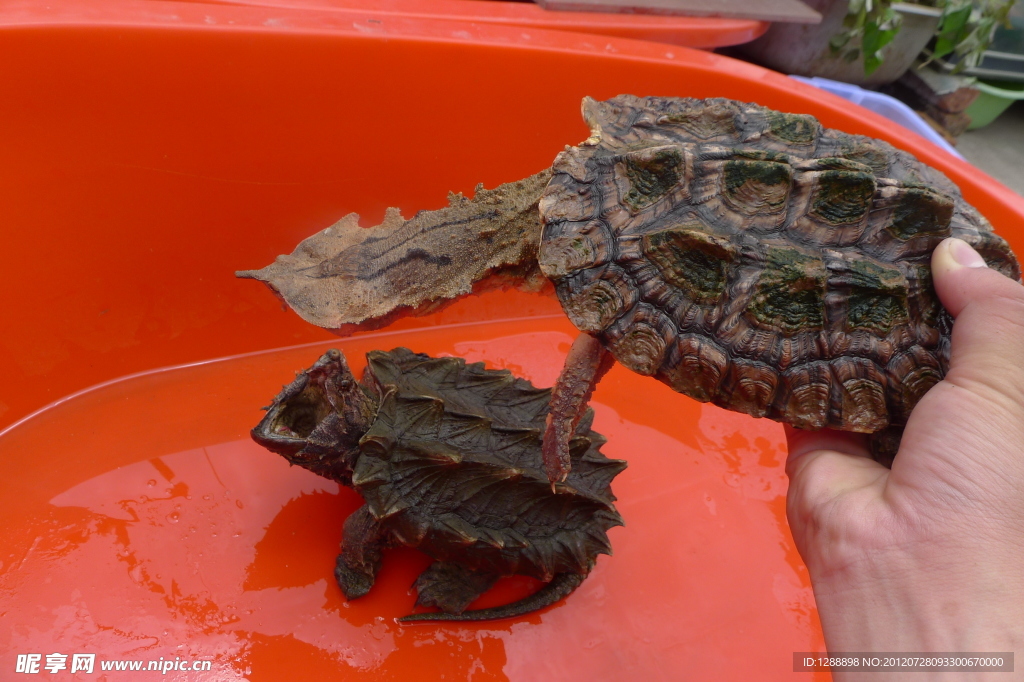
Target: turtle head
x: 316, y: 421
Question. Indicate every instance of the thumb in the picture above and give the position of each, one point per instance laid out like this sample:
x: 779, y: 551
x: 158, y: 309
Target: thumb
x: 987, y: 357
x: 987, y: 345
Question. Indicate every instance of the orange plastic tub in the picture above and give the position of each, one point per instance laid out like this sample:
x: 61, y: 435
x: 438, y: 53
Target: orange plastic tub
x: 154, y: 148
x: 699, y: 32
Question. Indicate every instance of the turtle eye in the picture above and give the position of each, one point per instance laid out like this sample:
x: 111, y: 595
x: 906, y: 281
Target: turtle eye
x: 345, y: 384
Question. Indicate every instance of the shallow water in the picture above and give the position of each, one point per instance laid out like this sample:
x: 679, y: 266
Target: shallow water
x: 140, y: 521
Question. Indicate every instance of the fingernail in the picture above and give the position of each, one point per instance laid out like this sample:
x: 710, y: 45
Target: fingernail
x: 964, y: 255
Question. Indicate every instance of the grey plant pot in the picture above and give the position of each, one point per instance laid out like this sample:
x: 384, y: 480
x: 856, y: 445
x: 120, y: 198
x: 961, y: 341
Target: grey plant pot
x: 803, y: 49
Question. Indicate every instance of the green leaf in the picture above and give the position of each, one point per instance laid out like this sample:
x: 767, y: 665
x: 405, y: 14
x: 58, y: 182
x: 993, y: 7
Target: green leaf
x: 952, y: 30
x: 875, y: 38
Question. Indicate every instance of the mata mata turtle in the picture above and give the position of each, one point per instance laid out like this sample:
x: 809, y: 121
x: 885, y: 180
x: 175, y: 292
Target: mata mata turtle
x: 447, y: 457
x: 743, y: 256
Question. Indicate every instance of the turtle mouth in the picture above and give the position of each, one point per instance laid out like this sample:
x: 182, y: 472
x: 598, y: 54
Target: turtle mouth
x: 299, y: 417
x: 291, y: 419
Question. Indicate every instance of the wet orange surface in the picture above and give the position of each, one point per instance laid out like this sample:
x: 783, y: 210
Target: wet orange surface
x: 141, y: 522
x: 151, y: 149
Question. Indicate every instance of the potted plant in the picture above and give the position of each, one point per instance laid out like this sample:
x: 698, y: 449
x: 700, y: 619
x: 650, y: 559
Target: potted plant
x: 872, y: 42
x: 967, y: 29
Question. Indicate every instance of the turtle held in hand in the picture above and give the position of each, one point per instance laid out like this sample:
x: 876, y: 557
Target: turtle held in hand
x: 743, y: 256
x: 447, y: 457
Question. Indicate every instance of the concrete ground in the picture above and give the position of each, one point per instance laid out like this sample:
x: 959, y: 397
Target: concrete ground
x: 998, y: 148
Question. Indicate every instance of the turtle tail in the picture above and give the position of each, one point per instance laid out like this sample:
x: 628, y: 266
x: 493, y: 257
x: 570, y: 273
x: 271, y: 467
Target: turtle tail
x: 561, y: 586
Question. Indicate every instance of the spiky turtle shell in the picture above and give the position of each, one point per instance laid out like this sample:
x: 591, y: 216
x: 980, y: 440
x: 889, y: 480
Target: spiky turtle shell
x: 757, y: 260
x: 452, y: 466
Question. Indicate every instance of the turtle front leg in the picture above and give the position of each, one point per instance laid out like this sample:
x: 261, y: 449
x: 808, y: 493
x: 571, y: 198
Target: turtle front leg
x: 362, y: 541
x: 451, y: 586
x: 587, y: 362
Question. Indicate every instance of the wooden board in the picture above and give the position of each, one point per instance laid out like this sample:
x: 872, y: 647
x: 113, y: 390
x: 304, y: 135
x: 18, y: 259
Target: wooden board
x: 792, y: 11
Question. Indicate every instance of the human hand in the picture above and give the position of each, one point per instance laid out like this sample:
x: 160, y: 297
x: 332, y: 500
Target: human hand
x: 930, y: 555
